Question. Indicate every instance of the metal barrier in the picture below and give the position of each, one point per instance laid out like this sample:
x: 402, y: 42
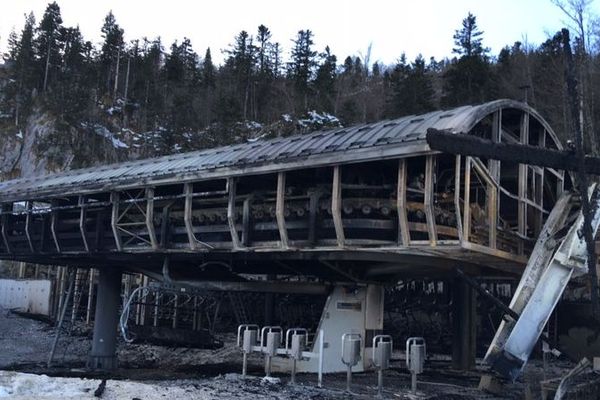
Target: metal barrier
x: 351, y: 349
x: 296, y: 340
x: 298, y: 343
x: 270, y: 340
x: 249, y: 336
x: 415, y: 358
x: 382, y: 353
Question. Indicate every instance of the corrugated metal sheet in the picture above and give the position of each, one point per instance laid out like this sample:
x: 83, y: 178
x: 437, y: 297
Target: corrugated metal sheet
x: 316, y: 146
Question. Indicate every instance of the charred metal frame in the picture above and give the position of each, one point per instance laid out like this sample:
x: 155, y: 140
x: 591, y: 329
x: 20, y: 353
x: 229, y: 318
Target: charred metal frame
x: 186, y: 216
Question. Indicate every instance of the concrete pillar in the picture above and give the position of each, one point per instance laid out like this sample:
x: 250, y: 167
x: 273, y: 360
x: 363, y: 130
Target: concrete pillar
x: 464, y: 321
x: 104, y: 344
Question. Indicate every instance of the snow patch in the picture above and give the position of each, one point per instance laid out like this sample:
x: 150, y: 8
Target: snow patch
x: 103, y: 131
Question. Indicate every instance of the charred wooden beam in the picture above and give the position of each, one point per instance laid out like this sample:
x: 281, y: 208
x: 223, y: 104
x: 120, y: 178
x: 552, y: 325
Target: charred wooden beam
x: 252, y: 286
x: 279, y: 210
x: 247, y: 220
x: 336, y: 205
x: 231, y: 214
x: 5, y: 208
x: 313, y: 213
x: 467, y: 197
x: 150, y: 217
x: 459, y: 226
x: 187, y: 214
x: 28, y: 226
x: 492, y: 191
x: 468, y: 145
x: 403, y: 233
x: 428, y: 201
x: 82, y: 218
x: 522, y: 207
x: 114, y: 220
x: 53, y: 225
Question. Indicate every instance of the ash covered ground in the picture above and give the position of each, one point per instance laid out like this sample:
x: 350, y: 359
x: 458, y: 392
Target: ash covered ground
x: 157, y: 372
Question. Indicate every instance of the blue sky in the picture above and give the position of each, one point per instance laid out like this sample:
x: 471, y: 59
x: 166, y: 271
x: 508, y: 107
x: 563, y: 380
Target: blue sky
x: 393, y: 27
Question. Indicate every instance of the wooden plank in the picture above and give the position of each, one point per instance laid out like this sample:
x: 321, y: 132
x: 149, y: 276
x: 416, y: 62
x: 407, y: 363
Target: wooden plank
x: 428, y: 201
x: 336, y: 205
x: 235, y: 239
x: 403, y: 231
x: 279, y: 210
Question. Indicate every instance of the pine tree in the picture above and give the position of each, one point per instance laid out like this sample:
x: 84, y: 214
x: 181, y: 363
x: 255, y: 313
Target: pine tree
x: 18, y: 91
x: 325, y: 81
x: 411, y: 89
x: 468, y: 40
x: 48, y: 44
x: 263, y: 53
x: 302, y: 64
x: 73, y: 84
x: 469, y: 78
x: 241, y: 67
x: 110, y: 53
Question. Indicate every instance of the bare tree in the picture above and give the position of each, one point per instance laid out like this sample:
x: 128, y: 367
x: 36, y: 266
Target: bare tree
x: 580, y: 19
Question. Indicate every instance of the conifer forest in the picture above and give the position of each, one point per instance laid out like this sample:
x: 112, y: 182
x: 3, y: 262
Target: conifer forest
x: 161, y: 98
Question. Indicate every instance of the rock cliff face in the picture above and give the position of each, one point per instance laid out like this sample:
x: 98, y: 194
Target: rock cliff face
x: 47, y: 145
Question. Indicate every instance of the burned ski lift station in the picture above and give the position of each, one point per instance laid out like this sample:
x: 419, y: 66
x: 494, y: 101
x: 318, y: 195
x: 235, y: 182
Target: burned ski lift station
x: 341, y: 212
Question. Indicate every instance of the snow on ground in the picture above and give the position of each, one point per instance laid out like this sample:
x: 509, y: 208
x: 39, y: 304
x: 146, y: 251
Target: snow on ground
x: 16, y: 385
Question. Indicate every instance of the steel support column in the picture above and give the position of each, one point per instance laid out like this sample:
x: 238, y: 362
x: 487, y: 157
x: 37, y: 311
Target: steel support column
x: 464, y: 321
x: 104, y: 344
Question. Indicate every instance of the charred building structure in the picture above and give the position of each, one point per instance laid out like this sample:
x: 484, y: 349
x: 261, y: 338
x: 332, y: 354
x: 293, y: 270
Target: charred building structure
x: 341, y: 212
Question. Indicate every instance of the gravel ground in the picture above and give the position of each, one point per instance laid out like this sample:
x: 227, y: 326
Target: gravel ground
x: 157, y: 372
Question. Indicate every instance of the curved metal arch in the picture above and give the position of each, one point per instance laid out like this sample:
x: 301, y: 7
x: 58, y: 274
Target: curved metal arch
x: 484, y: 110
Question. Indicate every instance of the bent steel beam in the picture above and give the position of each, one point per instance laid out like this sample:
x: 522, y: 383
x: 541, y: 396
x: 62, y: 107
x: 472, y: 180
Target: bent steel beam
x: 555, y: 259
